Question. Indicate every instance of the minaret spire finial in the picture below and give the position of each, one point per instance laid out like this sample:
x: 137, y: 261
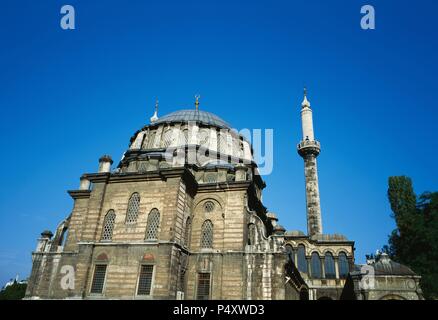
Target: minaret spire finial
x: 305, y: 102
x: 155, y: 116
x: 197, y: 96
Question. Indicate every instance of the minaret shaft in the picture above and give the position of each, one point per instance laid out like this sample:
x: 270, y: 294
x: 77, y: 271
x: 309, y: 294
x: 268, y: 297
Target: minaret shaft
x: 309, y: 150
x: 314, y: 225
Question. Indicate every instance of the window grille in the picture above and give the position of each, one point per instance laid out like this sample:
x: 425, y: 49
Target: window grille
x: 152, y: 225
x: 210, y: 178
x: 316, y: 266
x: 145, y: 280
x: 184, y: 138
x: 204, y: 138
x: 209, y: 206
x: 207, y: 234
x: 329, y: 266
x: 167, y: 138
x: 108, y: 225
x: 203, y: 286
x: 133, y: 207
x: 151, y: 140
x: 223, y: 144
x: 98, y: 278
x: 142, y: 166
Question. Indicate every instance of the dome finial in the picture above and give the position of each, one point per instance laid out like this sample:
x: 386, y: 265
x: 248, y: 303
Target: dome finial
x: 197, y: 96
x: 305, y: 102
x: 155, y: 116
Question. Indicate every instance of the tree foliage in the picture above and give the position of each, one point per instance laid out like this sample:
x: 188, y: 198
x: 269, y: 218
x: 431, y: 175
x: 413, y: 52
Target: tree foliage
x: 16, y: 291
x: 415, y: 240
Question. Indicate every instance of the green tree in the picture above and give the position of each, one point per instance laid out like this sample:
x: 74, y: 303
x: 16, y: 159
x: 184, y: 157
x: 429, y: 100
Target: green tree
x: 415, y: 240
x: 15, y: 291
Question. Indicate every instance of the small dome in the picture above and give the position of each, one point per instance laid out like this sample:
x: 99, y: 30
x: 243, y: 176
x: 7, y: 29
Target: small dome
x: 385, y: 266
x: 295, y: 233
x: 204, y: 117
x: 279, y: 229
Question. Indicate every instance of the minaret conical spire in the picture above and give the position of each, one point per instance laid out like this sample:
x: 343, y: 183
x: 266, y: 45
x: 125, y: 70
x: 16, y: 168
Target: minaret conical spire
x: 155, y: 116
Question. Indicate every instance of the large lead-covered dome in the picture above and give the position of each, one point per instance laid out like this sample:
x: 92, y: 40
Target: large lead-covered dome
x: 203, y: 117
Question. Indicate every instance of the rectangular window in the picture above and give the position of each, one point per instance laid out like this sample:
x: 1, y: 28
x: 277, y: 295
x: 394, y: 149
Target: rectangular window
x: 145, y: 280
x: 203, y: 286
x: 98, y: 278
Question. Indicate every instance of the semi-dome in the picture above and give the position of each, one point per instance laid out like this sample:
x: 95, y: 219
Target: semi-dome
x: 204, y: 117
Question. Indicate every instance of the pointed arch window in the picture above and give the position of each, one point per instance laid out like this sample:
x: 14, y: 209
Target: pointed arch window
x: 133, y: 207
x: 343, y: 265
x: 207, y: 234
x: 108, y: 225
x: 184, y: 140
x: 302, y: 262
x: 153, y: 224
x: 329, y: 266
x: 316, y: 266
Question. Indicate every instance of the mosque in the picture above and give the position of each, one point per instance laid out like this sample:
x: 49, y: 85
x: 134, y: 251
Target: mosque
x: 181, y: 217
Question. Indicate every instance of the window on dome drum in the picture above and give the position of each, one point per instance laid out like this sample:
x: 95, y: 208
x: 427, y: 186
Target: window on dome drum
x: 187, y: 231
x: 108, y: 225
x: 167, y: 138
x: 207, y: 235
x: 208, y: 206
x: 98, y: 279
x: 152, y: 225
x: 223, y: 144
x: 141, y: 166
x: 184, y: 138
x: 204, y: 136
x: 251, y: 234
x: 133, y: 207
x: 145, y: 280
x: 151, y: 140
x: 344, y: 268
x: 203, y: 292
x: 316, y: 266
x: 329, y: 266
x: 290, y: 253
x: 210, y: 178
x: 302, y: 262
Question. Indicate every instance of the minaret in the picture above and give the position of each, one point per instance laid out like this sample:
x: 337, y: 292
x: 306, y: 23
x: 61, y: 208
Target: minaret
x: 155, y: 116
x: 309, y: 149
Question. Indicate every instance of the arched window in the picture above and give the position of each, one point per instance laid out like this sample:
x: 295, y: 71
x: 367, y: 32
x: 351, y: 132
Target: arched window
x: 207, y: 234
x: 251, y: 234
x: 223, y: 143
x: 152, y: 225
x: 184, y: 138
x: 329, y: 266
x: 343, y: 265
x: 290, y: 253
x: 209, y: 206
x: 108, y: 225
x: 302, y: 262
x: 151, y: 140
x: 167, y: 138
x: 187, y: 231
x: 316, y: 266
x: 204, y: 136
x: 133, y: 206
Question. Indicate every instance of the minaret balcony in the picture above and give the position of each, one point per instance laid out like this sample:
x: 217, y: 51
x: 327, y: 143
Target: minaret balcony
x: 309, y: 147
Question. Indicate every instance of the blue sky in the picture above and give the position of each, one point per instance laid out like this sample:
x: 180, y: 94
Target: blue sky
x: 69, y: 96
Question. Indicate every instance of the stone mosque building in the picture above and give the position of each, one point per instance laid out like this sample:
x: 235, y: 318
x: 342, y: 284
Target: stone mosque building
x: 182, y: 217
